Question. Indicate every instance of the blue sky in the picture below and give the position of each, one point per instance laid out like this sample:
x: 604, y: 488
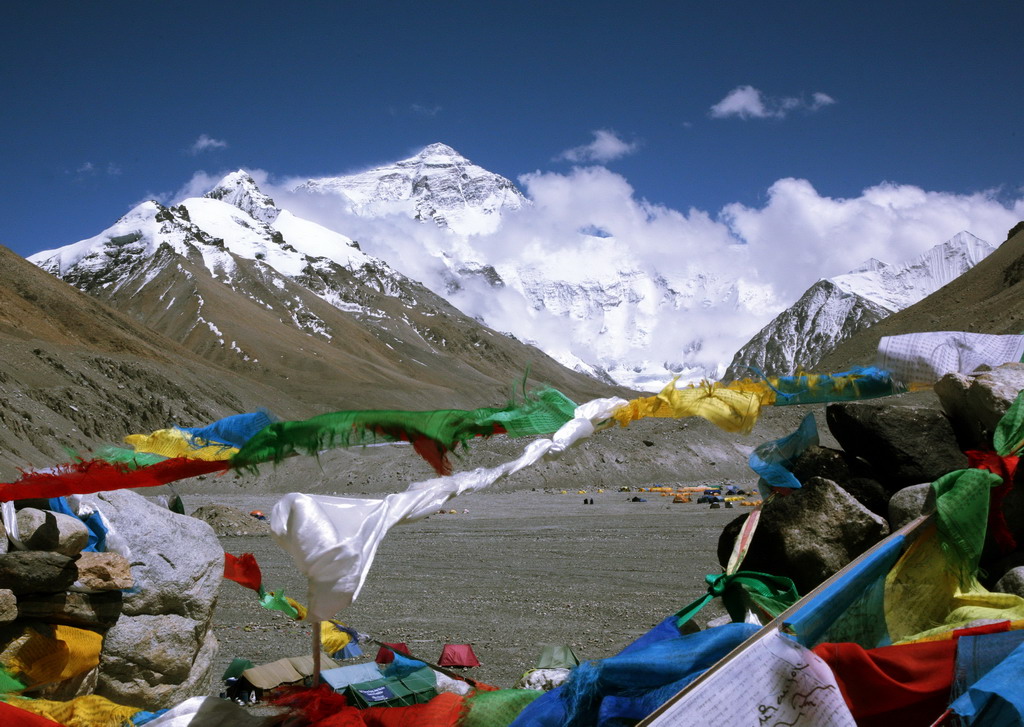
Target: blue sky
x: 695, y: 105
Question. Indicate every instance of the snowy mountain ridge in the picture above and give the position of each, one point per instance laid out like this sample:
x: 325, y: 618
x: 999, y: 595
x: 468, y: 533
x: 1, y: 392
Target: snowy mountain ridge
x: 591, y: 303
x: 436, y: 184
x: 833, y: 309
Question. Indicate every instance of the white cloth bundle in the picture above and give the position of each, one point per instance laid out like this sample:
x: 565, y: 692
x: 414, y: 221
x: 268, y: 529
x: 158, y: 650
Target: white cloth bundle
x: 333, y: 540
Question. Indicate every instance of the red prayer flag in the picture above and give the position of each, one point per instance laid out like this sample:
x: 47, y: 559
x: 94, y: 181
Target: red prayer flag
x: 244, y: 571
x: 96, y: 475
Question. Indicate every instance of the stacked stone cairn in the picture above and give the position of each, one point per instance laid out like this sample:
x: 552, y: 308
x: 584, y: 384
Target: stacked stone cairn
x: 153, y: 608
x: 880, y: 480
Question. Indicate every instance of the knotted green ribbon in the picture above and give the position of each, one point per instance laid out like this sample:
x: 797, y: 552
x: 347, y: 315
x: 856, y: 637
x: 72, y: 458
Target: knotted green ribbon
x: 774, y: 594
x: 276, y: 601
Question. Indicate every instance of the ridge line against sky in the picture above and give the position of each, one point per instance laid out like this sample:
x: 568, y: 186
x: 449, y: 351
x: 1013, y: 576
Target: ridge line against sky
x: 706, y: 110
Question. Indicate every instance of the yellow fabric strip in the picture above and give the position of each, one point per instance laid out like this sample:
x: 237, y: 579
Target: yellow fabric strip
x: 924, y: 599
x: 41, y: 659
x: 90, y: 710
x: 730, y: 410
x: 332, y: 638
x: 175, y: 443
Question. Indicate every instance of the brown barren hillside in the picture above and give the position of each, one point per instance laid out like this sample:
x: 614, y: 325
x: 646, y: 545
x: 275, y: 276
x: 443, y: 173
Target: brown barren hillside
x: 989, y: 298
x: 75, y: 374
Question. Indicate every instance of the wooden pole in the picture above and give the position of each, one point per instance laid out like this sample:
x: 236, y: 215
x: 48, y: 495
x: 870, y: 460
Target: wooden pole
x: 316, y: 652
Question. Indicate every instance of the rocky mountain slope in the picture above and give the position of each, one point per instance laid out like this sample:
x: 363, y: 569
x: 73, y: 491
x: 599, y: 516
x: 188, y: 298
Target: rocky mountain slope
x: 988, y: 298
x: 275, y: 297
x: 74, y: 373
x: 834, y: 309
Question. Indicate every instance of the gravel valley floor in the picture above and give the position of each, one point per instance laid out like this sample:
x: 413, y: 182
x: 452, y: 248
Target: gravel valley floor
x: 519, y: 570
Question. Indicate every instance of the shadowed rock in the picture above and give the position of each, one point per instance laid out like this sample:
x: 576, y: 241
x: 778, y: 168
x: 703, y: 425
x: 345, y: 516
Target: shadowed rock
x: 807, y: 535
x: 904, y: 445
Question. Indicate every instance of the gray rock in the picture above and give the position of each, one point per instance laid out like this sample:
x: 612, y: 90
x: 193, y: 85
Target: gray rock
x: 909, y: 503
x: 993, y: 571
x: 156, y: 661
x: 162, y: 649
x: 8, y: 605
x: 48, y: 530
x: 4, y: 544
x: 976, y: 402
x: 1011, y: 582
x: 807, y: 535
x: 177, y: 561
x: 905, y: 445
x: 36, y: 571
x: 90, y: 610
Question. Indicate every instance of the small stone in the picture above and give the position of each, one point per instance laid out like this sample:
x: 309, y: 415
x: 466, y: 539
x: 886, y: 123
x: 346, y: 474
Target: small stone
x: 48, y: 530
x: 8, y: 605
x: 104, y: 572
x: 92, y: 610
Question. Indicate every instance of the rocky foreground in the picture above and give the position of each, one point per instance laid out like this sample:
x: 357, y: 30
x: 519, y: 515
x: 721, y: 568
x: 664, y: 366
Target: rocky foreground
x: 520, y: 569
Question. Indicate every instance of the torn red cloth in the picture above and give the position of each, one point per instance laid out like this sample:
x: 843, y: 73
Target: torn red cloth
x: 243, y: 570
x: 95, y: 475
x: 1005, y: 467
x: 905, y: 685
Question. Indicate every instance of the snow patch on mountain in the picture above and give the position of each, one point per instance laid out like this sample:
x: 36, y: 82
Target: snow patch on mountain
x: 833, y: 309
x: 436, y: 184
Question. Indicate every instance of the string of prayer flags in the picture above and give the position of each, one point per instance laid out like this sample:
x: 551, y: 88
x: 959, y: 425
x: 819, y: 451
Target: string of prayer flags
x: 728, y: 409
x: 176, y: 443
x: 1008, y: 437
x: 860, y: 382
x: 773, y: 461
x: 234, y: 430
x: 333, y: 540
x: 80, y: 478
x: 433, y: 434
x: 245, y: 571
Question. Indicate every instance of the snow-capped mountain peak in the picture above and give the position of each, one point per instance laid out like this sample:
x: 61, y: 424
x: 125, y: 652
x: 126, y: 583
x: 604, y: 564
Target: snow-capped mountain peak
x: 240, y: 190
x: 436, y: 184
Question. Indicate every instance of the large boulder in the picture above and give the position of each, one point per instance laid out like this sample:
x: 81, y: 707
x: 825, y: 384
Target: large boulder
x: 177, y: 561
x: 162, y: 648
x: 905, y: 445
x: 156, y: 662
x: 807, y: 535
x: 976, y: 402
x: 851, y: 473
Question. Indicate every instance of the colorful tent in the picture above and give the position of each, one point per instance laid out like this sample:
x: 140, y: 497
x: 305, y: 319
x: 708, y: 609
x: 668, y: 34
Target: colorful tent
x: 385, y: 655
x: 416, y: 688
x: 458, y: 655
x: 557, y: 656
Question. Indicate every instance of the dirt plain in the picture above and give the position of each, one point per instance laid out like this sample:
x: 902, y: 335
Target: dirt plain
x: 519, y: 570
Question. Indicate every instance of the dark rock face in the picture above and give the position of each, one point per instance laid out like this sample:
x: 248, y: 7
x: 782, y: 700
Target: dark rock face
x: 904, y: 445
x: 851, y: 473
x: 87, y: 610
x: 808, y: 535
x: 37, y: 571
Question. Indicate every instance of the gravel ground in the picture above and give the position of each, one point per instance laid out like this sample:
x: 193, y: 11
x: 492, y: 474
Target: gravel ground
x: 519, y: 570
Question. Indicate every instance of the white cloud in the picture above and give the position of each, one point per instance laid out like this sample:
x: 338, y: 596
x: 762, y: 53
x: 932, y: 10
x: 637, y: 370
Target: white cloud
x: 422, y: 110
x: 799, y: 236
x: 606, y: 147
x: 747, y: 102
x: 87, y: 168
x: 778, y: 250
x: 205, y: 143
